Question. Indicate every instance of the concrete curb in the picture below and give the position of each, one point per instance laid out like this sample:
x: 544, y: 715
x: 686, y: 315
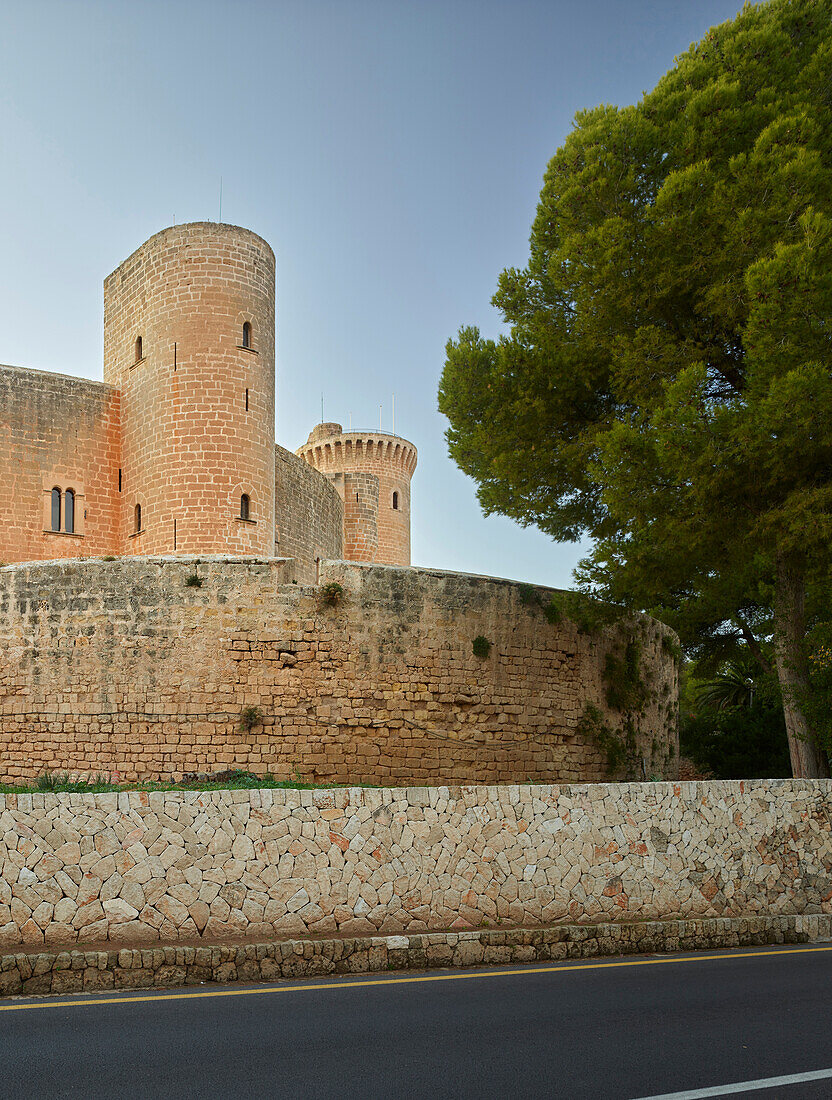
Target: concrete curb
x: 167, y: 965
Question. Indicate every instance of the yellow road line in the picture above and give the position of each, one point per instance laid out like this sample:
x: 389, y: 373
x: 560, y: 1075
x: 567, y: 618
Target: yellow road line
x: 311, y: 984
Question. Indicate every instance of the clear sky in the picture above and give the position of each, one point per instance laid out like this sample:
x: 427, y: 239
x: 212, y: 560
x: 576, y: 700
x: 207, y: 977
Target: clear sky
x: 390, y: 151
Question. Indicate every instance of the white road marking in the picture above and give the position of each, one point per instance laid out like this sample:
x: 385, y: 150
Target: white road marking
x: 743, y: 1086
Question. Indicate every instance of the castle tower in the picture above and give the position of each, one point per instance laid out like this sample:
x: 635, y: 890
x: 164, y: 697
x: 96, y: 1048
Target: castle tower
x: 372, y: 472
x: 189, y: 341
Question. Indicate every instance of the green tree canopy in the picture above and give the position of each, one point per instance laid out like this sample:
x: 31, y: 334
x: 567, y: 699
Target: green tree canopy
x: 665, y: 386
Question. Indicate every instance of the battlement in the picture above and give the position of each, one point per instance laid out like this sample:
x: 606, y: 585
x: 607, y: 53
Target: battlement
x: 372, y: 472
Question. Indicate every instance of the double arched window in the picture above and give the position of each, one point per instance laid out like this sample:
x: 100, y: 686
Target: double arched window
x: 396, y: 502
x: 138, y: 518
x: 245, y: 506
x: 63, y: 502
x: 246, y: 334
x: 139, y: 354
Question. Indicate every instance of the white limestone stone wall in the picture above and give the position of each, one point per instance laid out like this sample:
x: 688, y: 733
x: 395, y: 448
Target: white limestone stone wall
x: 138, y: 867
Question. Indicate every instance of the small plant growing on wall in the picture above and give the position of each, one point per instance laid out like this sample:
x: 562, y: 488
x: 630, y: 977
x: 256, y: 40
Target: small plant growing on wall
x: 619, y: 746
x: 250, y: 717
x: 552, y: 612
x: 193, y: 581
x: 481, y: 646
x: 528, y: 595
x: 332, y: 594
x: 626, y: 691
x: 672, y: 648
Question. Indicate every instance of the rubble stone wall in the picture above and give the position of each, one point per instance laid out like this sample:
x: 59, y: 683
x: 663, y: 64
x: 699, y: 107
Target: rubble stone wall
x: 150, y: 667
x: 147, y: 866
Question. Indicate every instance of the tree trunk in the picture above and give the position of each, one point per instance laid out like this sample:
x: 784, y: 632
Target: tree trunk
x: 809, y: 761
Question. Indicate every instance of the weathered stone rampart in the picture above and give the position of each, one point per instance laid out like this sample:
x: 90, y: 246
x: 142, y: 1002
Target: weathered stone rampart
x: 151, y: 667
x: 141, y: 867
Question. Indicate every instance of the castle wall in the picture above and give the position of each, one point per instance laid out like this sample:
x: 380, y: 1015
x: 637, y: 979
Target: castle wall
x: 57, y: 431
x: 139, y: 867
x: 198, y: 408
x: 309, y: 515
x: 377, y: 503
x: 361, y: 519
x: 121, y: 667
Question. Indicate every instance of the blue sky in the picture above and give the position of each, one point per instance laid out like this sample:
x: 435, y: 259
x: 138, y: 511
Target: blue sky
x: 390, y: 152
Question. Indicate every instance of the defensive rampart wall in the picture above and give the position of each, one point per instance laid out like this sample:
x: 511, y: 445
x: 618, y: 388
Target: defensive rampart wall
x: 138, y: 866
x: 152, y: 667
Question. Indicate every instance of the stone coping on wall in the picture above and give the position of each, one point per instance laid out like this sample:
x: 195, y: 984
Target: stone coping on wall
x: 57, y: 378
x: 326, y: 565
x: 150, y: 559
x: 170, y: 965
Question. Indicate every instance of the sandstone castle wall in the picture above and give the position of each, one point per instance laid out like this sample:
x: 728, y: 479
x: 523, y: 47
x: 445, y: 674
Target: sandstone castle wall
x: 121, y: 667
x: 57, y: 431
x: 309, y: 516
x: 142, y: 867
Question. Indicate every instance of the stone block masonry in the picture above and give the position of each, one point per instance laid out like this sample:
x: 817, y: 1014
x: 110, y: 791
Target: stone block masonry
x: 131, y: 868
x: 372, y: 472
x: 58, y: 972
x: 175, y: 452
x: 65, y: 433
x: 197, y: 406
x: 309, y: 515
x: 124, y: 668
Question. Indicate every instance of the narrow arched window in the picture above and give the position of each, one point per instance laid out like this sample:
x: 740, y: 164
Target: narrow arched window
x: 247, y: 334
x: 138, y: 348
x: 138, y: 518
x: 396, y: 501
x: 56, y: 509
x: 245, y: 507
x: 69, y: 512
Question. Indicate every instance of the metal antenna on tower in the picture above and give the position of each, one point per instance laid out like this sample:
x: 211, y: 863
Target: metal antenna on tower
x: 393, y: 415
x: 379, y: 418
x: 220, y: 198
x: 322, y: 406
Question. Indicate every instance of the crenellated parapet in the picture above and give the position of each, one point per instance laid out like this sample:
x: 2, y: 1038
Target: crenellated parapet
x: 372, y: 472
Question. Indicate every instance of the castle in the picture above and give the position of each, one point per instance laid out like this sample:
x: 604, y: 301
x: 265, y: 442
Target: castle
x: 174, y: 452
x: 163, y: 563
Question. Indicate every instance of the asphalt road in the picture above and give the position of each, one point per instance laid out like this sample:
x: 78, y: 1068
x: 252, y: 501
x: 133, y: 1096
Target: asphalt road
x: 602, y: 1029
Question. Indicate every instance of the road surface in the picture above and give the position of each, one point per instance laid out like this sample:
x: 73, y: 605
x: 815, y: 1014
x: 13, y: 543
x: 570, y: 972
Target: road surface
x: 695, y: 1025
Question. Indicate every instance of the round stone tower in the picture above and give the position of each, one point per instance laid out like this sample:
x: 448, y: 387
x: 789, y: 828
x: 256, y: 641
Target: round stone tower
x: 372, y: 472
x: 189, y: 342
